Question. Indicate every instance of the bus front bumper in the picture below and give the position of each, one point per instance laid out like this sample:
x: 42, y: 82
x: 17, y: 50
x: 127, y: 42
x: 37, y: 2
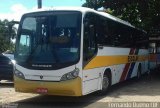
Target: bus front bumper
x: 64, y: 88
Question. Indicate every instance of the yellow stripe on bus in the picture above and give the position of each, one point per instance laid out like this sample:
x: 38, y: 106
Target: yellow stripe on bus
x: 103, y: 61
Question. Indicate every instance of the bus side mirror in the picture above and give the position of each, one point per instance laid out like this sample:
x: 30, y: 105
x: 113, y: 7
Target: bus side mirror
x: 86, y: 22
x: 11, y: 27
x: 91, y: 30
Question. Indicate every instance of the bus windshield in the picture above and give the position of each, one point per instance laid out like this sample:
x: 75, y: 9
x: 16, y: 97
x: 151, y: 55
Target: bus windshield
x: 49, y: 40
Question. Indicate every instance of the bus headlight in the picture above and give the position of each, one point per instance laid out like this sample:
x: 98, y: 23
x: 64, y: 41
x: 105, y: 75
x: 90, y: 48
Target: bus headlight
x: 19, y: 74
x: 13, y: 61
x: 70, y: 75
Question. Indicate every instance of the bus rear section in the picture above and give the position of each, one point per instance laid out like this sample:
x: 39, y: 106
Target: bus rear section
x: 154, y: 53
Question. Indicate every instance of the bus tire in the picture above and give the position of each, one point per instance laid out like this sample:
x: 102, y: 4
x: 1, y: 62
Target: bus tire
x: 106, y: 83
x: 139, y: 72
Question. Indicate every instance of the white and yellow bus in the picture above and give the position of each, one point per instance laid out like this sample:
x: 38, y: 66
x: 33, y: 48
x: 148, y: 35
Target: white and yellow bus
x: 76, y: 51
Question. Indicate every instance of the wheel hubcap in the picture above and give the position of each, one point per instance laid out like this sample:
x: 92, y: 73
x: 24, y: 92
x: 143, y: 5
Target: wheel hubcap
x: 105, y: 83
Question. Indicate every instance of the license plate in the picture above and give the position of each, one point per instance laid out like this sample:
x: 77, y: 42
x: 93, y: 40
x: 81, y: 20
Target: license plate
x: 42, y: 90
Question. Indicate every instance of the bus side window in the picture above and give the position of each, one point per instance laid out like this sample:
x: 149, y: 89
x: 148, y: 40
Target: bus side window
x: 89, y: 44
x: 24, y: 47
x: 142, y: 40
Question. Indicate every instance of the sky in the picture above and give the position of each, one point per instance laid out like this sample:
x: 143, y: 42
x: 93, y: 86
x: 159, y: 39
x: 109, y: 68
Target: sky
x: 14, y: 9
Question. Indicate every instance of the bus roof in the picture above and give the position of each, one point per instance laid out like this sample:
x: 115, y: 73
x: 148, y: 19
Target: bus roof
x: 84, y: 10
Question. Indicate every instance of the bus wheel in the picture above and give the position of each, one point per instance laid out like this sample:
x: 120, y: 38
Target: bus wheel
x: 105, y: 84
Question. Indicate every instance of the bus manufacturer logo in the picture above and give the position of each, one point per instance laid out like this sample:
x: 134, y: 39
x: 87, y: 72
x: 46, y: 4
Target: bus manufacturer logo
x: 41, y: 77
x: 44, y: 66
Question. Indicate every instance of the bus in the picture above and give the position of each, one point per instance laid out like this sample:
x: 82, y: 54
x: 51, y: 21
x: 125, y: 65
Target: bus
x: 76, y: 51
x: 154, y: 53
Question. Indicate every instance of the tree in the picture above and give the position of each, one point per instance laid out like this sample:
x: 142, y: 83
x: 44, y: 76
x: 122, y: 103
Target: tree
x: 6, y: 32
x: 95, y: 4
x: 144, y: 14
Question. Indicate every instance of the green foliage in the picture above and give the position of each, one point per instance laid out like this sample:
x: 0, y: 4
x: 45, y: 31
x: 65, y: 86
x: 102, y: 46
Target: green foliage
x: 95, y: 4
x: 131, y: 14
x: 144, y: 14
x: 154, y: 13
x: 6, y: 33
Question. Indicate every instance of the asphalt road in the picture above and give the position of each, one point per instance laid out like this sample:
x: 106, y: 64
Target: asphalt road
x: 147, y: 89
